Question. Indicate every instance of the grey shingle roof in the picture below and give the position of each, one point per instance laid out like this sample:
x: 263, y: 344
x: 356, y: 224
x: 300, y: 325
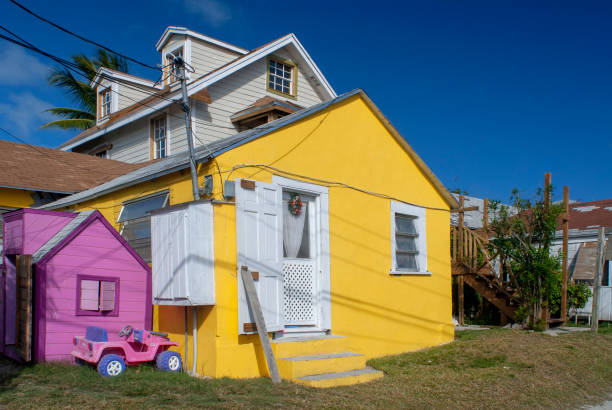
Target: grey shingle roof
x: 60, y: 236
x: 180, y: 161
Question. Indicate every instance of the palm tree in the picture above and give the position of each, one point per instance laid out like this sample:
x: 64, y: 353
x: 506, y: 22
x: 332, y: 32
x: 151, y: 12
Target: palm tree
x: 82, y: 94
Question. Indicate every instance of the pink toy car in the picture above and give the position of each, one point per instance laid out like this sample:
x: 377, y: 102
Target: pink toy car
x: 138, y: 346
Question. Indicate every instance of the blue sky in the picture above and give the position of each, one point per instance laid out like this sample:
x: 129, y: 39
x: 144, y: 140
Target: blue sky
x: 491, y: 94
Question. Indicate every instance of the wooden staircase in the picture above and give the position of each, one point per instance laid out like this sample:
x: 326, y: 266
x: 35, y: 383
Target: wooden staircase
x: 472, y: 265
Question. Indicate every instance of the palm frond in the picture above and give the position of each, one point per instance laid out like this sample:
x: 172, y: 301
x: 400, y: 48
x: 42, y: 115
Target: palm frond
x: 72, y: 113
x: 79, y: 90
x: 70, y: 124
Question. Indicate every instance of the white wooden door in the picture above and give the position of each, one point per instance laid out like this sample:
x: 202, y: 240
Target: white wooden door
x: 259, y: 247
x: 300, y: 262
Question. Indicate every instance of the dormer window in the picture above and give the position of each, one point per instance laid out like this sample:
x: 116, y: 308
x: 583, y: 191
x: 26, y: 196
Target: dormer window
x: 172, y: 76
x: 281, y: 77
x: 105, y: 102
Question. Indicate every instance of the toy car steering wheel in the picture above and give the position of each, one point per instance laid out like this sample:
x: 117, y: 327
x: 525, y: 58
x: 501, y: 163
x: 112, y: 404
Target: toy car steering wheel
x: 125, y: 331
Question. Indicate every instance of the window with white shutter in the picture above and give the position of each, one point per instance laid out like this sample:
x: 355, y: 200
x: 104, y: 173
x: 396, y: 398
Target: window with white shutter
x: 408, y: 239
x: 97, y: 296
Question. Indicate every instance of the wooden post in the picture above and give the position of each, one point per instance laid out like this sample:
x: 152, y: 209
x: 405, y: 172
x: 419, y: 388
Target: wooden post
x: 460, y: 230
x: 485, y: 218
x: 460, y: 307
x: 547, y: 199
x: 564, y: 276
x: 601, y: 240
x: 547, y: 182
x: 253, y: 300
x: 25, y: 294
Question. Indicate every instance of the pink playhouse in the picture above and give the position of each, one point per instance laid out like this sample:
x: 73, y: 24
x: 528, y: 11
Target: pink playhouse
x: 61, y: 272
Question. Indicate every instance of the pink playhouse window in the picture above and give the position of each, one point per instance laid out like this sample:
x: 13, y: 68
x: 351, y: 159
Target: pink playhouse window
x: 97, y: 296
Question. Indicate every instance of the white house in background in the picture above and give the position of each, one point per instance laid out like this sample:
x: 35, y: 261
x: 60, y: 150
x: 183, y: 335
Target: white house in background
x: 230, y: 89
x: 585, y: 220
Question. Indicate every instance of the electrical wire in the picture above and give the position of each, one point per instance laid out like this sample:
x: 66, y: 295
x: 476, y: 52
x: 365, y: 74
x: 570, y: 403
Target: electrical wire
x: 16, y: 138
x: 329, y: 183
x: 65, y: 30
x: 76, y: 69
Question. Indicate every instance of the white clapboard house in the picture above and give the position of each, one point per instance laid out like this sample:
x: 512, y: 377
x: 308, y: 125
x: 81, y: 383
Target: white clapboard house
x: 230, y: 89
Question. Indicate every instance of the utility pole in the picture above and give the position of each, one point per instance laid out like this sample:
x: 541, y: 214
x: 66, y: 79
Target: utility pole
x: 179, y: 67
x: 601, y: 240
x: 566, y: 216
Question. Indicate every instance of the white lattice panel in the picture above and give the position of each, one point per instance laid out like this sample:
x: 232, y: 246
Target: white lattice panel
x: 299, y: 293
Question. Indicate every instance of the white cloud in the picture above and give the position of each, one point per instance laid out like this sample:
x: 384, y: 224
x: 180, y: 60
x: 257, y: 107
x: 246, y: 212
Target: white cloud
x: 21, y: 68
x: 24, y: 113
x: 214, y: 12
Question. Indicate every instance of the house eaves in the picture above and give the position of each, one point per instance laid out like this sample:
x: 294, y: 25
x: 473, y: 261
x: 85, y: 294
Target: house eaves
x: 210, y: 79
x: 180, y: 161
x: 186, y: 32
x: 104, y: 72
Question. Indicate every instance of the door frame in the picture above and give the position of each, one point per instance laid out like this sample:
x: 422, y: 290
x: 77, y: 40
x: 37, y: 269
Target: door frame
x: 323, y: 296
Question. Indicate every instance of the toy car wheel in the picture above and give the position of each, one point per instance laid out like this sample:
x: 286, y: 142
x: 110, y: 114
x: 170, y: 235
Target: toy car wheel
x: 111, y: 365
x: 169, y: 361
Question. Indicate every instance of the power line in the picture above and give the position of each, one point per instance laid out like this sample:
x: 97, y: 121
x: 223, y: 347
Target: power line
x: 65, y: 30
x: 75, y: 68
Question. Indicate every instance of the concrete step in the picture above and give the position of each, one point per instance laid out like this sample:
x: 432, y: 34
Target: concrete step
x: 299, y: 366
x: 306, y: 346
x: 340, y: 378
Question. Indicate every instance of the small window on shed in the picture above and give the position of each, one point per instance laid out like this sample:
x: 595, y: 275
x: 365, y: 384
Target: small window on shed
x: 97, y: 296
x: 135, y: 219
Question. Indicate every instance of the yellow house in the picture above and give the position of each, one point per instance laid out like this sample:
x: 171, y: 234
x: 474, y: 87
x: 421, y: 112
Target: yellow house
x: 344, y: 225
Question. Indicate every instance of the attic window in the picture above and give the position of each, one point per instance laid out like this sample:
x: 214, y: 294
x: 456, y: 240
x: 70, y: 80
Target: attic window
x: 172, y: 76
x: 105, y: 102
x: 281, y: 76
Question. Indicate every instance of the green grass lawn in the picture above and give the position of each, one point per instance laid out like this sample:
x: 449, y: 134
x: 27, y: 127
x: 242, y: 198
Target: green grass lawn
x: 482, y: 369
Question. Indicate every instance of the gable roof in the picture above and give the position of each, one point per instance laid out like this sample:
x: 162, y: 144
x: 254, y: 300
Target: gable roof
x: 186, y: 32
x: 206, y: 152
x: 78, y: 224
x: 154, y: 103
x: 105, y: 72
x: 36, y: 168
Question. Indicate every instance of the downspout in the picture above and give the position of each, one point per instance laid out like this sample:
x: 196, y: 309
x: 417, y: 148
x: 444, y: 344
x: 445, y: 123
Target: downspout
x: 195, y: 340
x: 186, y: 339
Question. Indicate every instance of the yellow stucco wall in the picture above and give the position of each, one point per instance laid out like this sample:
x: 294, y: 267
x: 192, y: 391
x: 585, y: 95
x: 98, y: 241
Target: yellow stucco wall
x: 381, y: 314
x: 15, y: 198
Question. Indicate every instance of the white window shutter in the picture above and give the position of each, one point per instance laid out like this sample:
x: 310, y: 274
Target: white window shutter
x: 107, y: 296
x: 90, y: 294
x: 259, y: 246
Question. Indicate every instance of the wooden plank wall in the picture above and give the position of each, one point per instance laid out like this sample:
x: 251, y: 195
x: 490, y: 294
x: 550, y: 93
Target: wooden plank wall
x: 24, y: 306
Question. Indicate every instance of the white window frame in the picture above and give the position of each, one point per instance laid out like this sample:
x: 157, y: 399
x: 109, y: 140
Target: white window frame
x: 167, y: 138
x: 172, y: 77
x: 418, y: 213
x: 113, y: 88
x: 103, y: 103
x: 292, y: 70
